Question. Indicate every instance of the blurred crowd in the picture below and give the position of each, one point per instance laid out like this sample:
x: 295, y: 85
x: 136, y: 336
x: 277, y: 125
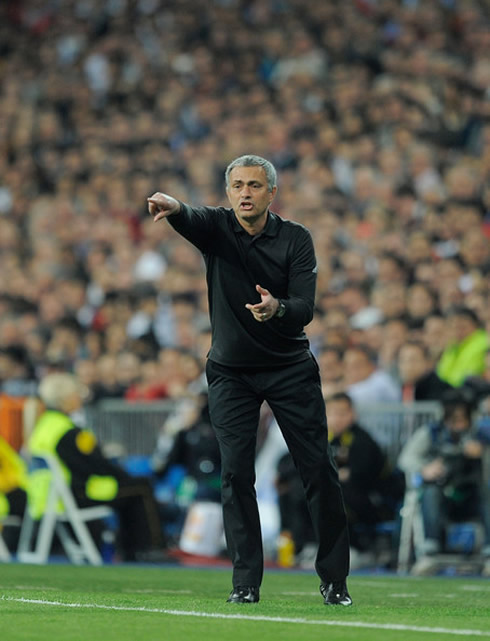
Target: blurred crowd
x: 376, y: 114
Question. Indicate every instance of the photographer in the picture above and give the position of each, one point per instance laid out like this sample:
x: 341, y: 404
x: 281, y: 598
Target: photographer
x: 444, y: 459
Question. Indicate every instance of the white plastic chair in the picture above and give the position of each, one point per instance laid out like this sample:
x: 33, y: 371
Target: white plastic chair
x: 412, y: 529
x: 79, y: 546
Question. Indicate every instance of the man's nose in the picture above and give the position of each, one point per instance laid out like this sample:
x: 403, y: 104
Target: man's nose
x: 246, y: 191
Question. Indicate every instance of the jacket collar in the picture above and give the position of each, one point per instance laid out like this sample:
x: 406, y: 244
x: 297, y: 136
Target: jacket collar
x: 271, y: 226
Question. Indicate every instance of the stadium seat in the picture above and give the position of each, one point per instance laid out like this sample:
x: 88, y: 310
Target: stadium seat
x: 64, y: 517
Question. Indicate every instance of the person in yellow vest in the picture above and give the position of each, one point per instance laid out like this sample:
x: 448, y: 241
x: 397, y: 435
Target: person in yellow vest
x: 13, y: 483
x: 95, y: 479
x: 464, y: 355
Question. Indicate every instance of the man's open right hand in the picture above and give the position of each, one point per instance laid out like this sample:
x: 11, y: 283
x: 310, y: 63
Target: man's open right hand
x: 162, y: 205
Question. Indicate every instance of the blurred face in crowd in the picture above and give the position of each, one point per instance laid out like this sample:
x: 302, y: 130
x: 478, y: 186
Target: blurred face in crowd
x: 340, y: 416
x: 434, y: 334
x: 249, y: 194
x: 412, y: 363
x: 353, y: 265
x: 336, y: 326
x: 458, y: 419
x: 448, y: 270
x: 330, y: 362
x: 352, y: 299
x: 461, y: 326
x: 420, y: 302
x: 475, y: 248
x: 390, y: 298
x: 357, y: 366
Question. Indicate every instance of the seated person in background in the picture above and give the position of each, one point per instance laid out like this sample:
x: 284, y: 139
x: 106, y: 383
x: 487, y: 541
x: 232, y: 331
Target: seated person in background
x: 13, y: 483
x: 364, y: 381
x: 444, y: 460
x: 188, y: 440
x: 370, y: 487
x: 419, y: 381
x: 93, y: 478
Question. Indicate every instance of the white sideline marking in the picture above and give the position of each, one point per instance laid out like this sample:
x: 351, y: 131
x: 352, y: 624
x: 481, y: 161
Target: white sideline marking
x: 156, y: 591
x: 244, y: 617
x: 34, y: 587
x: 476, y: 588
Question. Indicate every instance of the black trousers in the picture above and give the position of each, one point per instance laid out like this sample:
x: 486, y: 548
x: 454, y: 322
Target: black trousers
x: 294, y: 394
x: 140, y: 529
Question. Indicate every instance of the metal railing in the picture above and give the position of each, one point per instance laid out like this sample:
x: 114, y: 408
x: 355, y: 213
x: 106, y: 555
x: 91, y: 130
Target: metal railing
x: 136, y: 426
x: 133, y: 426
x: 392, y: 424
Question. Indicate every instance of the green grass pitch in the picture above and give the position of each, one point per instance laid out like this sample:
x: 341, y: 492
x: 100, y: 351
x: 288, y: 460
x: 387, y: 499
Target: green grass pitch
x: 137, y: 603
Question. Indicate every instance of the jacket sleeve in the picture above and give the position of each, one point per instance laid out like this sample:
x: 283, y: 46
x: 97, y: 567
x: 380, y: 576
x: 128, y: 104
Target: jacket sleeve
x: 195, y: 224
x: 415, y: 454
x: 80, y: 452
x: 300, y: 301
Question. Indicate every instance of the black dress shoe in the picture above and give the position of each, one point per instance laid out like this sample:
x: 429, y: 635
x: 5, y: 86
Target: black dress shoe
x: 335, y: 593
x: 244, y: 595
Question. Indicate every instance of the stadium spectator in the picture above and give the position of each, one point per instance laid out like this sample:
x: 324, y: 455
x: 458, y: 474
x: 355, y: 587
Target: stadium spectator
x: 364, y: 381
x: 393, y: 333
x: 371, y: 488
x: 382, y: 145
x: 444, y: 459
x: 465, y: 352
x: 421, y: 303
x: 434, y: 335
x: 418, y: 379
x: 93, y: 478
x: 13, y: 486
x: 379, y: 168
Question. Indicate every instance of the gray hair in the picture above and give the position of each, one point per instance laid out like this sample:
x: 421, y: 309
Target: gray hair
x: 57, y: 387
x: 254, y: 161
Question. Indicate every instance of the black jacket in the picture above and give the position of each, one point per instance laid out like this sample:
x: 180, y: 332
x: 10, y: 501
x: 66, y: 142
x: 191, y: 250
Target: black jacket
x: 430, y: 388
x: 281, y: 259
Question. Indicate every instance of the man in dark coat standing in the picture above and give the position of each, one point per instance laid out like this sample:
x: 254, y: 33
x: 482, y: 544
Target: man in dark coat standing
x: 261, y: 273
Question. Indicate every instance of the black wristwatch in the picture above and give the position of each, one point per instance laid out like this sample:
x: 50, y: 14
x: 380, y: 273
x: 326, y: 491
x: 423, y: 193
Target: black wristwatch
x: 281, y: 309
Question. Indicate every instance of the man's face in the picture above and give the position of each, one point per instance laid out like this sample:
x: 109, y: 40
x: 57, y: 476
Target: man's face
x: 412, y: 364
x: 340, y: 416
x: 330, y: 366
x: 249, y: 194
x: 357, y: 366
x: 458, y: 421
x: 461, y: 326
